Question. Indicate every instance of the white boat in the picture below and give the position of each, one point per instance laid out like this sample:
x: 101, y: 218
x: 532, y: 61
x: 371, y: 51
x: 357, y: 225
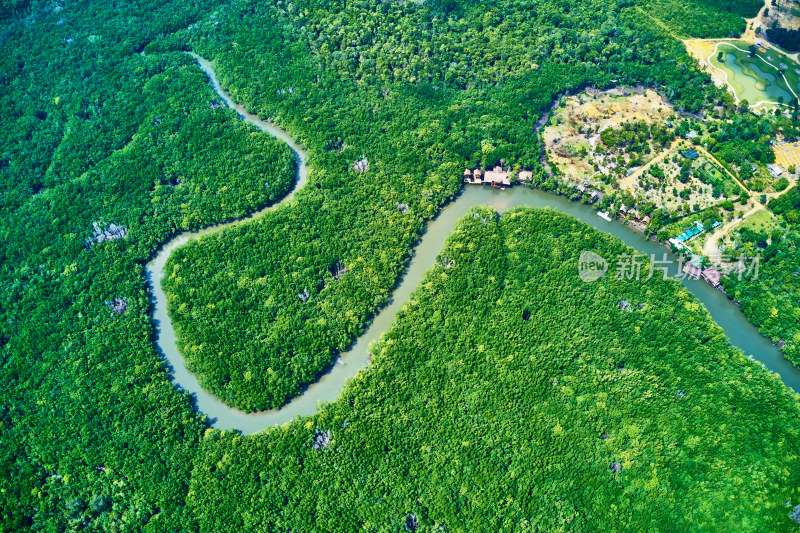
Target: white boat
x: 604, y: 215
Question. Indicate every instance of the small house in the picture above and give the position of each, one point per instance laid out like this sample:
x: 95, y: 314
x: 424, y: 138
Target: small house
x: 678, y: 244
x: 691, y: 232
x: 712, y: 276
x: 472, y: 176
x: 496, y: 176
x: 692, y: 271
x: 774, y: 170
x: 690, y: 154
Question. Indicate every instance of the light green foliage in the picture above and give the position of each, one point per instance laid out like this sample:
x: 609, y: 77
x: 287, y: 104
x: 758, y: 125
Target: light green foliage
x: 472, y: 417
x: 92, y: 131
x: 468, y: 95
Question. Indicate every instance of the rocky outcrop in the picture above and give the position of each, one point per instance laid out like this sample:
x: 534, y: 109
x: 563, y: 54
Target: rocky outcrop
x: 795, y: 514
x: 361, y: 165
x: 322, y: 439
x: 102, y: 233
x: 412, y: 524
x: 117, y: 305
x: 337, y: 270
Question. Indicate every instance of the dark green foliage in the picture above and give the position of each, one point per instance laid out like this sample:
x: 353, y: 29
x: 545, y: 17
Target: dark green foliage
x: 472, y: 417
x: 94, y: 436
x: 771, y: 297
x: 787, y: 205
x: 636, y: 137
x: 745, y: 140
x: 656, y: 171
x: 92, y: 132
x: 786, y: 38
x: 692, y: 18
x: 365, y: 90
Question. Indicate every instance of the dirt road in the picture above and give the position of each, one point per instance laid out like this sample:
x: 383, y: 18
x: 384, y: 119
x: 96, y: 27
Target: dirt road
x: 711, y: 246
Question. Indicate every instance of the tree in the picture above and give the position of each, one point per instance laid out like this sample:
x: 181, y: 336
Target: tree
x: 744, y: 106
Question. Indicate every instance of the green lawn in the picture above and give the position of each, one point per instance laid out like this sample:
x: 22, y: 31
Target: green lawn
x: 760, y: 221
x: 791, y: 73
x: 712, y: 175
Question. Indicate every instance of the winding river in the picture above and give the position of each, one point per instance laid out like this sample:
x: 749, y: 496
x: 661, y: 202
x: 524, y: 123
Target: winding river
x: 740, y: 332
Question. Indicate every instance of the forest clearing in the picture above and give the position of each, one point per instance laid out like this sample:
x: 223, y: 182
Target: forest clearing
x: 572, y: 134
x: 624, y: 141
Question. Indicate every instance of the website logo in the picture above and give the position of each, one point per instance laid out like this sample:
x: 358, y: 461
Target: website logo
x: 591, y: 266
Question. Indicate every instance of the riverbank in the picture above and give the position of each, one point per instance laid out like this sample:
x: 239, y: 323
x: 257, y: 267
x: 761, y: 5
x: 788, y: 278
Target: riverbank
x: 328, y: 387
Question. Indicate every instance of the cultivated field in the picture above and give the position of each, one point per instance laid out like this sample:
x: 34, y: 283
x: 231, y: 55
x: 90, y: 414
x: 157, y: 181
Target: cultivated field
x: 787, y: 154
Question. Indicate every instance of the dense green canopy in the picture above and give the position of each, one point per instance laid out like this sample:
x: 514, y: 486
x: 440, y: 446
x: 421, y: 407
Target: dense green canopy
x: 473, y: 417
x: 420, y: 94
x: 93, y: 435
x: 769, y: 289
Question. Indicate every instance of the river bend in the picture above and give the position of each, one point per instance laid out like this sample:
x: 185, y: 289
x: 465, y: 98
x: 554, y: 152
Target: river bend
x: 740, y: 332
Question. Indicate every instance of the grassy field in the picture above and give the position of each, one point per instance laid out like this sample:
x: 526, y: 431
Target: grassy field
x: 779, y: 60
x: 760, y: 221
x: 713, y: 173
x: 787, y: 154
x: 715, y: 176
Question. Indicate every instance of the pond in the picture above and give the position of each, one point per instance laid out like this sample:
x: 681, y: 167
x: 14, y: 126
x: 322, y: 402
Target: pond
x: 760, y: 85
